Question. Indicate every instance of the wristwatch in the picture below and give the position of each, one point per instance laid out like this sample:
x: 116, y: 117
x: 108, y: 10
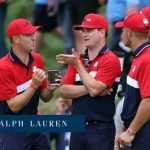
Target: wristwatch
x: 130, y: 131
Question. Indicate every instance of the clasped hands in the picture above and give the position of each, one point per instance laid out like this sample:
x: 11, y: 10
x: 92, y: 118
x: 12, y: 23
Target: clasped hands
x: 124, y: 139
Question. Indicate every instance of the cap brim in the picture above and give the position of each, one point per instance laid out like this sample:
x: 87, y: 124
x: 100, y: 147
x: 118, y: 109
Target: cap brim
x: 32, y: 29
x: 80, y: 27
x: 119, y: 24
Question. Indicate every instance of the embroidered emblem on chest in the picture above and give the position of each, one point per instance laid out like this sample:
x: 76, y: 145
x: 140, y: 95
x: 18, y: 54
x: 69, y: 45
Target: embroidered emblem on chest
x: 95, y: 65
x: 133, y: 69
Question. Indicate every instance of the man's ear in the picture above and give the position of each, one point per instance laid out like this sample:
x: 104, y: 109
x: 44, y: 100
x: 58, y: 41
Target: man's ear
x: 148, y: 36
x: 129, y: 33
x: 15, y: 39
x: 102, y: 32
x: 74, y: 52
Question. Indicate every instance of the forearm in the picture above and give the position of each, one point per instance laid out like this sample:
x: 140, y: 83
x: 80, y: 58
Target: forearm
x: 46, y: 94
x: 73, y: 91
x: 93, y: 86
x: 122, y: 128
x: 142, y: 115
x: 17, y: 103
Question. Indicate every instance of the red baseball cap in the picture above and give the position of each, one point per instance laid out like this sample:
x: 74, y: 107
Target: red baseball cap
x: 93, y: 21
x: 146, y: 12
x: 21, y: 26
x: 136, y: 22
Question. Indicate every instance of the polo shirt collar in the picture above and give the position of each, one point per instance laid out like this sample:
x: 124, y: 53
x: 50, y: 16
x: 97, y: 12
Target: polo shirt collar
x: 14, y: 58
x: 102, y: 51
x: 140, y: 49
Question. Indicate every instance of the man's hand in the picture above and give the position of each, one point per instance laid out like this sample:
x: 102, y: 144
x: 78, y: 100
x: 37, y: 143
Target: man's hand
x: 52, y: 88
x: 117, y: 138
x: 68, y: 59
x: 106, y: 92
x: 126, y: 138
x: 118, y: 142
x: 55, y: 86
x: 38, y: 78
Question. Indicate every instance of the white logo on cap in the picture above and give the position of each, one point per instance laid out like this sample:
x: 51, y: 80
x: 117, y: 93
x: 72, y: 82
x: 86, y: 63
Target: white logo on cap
x: 87, y: 20
x: 145, y: 21
x: 134, y: 67
x: 126, y: 17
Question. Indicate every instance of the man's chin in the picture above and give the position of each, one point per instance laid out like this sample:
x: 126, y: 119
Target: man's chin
x: 86, y: 45
x: 33, y: 49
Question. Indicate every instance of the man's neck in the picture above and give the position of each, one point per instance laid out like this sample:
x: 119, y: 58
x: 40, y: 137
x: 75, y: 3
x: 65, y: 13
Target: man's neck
x: 135, y: 44
x: 93, y: 52
x: 22, y: 55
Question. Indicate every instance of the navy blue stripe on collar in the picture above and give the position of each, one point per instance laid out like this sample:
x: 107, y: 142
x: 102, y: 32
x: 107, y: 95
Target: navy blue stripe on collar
x: 14, y: 58
x: 138, y: 51
x: 104, y: 50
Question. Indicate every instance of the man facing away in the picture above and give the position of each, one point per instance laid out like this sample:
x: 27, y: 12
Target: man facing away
x: 87, y: 77
x: 135, y: 131
x: 22, y: 82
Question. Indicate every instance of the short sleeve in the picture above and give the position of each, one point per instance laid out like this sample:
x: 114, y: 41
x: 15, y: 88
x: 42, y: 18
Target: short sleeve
x: 144, y: 79
x: 109, y: 71
x: 70, y: 75
x: 7, y: 84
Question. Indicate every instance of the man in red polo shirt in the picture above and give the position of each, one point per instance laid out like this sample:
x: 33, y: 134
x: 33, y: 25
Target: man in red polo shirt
x: 22, y: 82
x: 88, y: 75
x: 136, y: 109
